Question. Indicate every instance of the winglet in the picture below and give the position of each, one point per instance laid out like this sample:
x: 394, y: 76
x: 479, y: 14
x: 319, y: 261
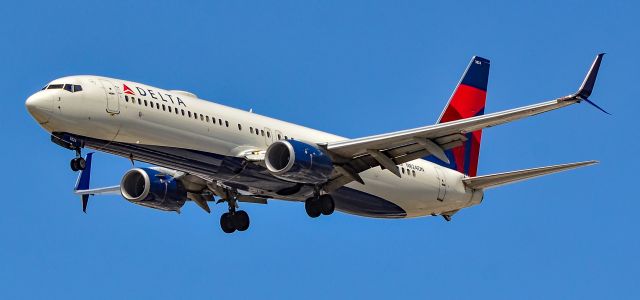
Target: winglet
x: 590, y: 80
x: 83, y: 181
x: 586, y: 88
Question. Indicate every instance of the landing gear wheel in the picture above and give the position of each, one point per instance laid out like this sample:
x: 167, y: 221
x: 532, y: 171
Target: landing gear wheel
x: 313, y: 207
x: 82, y: 163
x: 241, y: 220
x: 78, y: 164
x: 226, y: 223
x: 327, y: 206
x: 74, y: 165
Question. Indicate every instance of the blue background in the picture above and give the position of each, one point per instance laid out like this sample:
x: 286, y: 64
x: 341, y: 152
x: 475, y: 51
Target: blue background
x: 354, y: 69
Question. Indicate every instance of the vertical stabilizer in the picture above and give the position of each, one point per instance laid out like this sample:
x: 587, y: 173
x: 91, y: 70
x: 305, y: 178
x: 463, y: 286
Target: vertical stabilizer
x: 468, y: 100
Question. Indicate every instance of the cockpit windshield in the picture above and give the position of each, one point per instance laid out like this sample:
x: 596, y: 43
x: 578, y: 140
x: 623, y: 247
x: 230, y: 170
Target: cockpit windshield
x: 68, y: 87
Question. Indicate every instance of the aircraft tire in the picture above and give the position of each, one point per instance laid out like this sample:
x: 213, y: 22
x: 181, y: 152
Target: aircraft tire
x: 226, y: 223
x: 313, y: 208
x: 74, y: 165
x: 81, y: 163
x: 241, y: 220
x: 327, y: 206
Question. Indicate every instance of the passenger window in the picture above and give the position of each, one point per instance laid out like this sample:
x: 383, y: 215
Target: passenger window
x: 285, y: 137
x: 188, y: 112
x: 262, y: 132
x: 126, y: 98
x: 151, y: 102
x: 220, y: 122
x: 195, y: 115
x: 169, y: 108
x: 213, y: 119
x: 182, y: 111
x: 413, y: 172
x: 279, y: 137
x: 226, y: 123
x: 77, y: 88
x: 268, y: 134
x: 239, y: 127
x: 257, y: 132
x: 145, y: 103
x: 201, y: 117
x: 68, y: 87
x: 207, y: 117
x: 157, y: 106
x: 164, y: 108
x: 250, y: 129
x: 402, y: 170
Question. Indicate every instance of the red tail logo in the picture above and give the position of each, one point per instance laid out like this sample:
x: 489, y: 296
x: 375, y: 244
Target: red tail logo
x: 127, y: 90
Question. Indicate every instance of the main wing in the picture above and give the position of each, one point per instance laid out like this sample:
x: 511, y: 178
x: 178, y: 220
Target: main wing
x: 391, y: 149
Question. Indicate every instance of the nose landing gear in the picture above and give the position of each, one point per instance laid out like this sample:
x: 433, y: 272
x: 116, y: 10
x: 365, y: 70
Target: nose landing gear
x: 78, y: 163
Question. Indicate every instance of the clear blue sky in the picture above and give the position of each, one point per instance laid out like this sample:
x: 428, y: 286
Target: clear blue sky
x: 355, y: 69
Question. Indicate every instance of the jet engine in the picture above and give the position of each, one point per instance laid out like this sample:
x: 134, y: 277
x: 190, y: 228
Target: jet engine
x: 151, y: 188
x: 298, y: 162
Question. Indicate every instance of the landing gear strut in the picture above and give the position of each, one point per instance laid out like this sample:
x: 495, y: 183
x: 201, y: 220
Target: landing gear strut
x: 78, y: 163
x: 234, y: 220
x: 323, y: 204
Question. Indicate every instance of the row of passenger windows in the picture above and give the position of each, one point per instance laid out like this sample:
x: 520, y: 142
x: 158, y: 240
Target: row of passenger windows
x: 68, y: 87
x: 409, y: 172
x: 196, y: 116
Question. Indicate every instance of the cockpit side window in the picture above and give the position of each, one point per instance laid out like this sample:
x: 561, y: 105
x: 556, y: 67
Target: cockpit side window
x: 55, y: 86
x: 68, y: 87
x: 77, y: 88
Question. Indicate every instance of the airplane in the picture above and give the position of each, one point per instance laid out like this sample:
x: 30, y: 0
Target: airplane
x: 203, y: 152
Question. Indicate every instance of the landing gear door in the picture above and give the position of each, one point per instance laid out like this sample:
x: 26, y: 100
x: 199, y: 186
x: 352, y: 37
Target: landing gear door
x: 113, y: 96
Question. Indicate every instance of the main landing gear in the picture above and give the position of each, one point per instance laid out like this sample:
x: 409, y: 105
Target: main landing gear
x: 234, y: 220
x: 78, y: 163
x: 323, y: 204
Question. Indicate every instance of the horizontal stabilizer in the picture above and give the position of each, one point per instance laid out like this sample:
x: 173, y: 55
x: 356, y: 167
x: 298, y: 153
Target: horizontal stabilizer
x: 111, y: 190
x: 493, y: 180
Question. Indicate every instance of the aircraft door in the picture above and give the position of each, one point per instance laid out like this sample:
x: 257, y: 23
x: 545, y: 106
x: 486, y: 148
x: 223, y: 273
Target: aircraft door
x: 268, y: 136
x: 113, y: 96
x: 442, y: 183
x: 277, y: 135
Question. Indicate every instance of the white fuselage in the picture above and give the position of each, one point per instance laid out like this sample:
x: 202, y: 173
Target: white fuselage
x: 128, y: 112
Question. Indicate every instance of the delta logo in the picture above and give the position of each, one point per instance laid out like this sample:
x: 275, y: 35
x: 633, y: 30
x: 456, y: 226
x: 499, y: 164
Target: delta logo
x: 165, y: 97
x: 127, y: 90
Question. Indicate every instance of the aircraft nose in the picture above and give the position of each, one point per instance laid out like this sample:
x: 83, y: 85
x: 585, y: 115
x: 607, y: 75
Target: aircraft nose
x: 39, y: 106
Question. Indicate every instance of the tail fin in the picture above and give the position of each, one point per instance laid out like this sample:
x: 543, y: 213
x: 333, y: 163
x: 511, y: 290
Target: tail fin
x: 468, y: 100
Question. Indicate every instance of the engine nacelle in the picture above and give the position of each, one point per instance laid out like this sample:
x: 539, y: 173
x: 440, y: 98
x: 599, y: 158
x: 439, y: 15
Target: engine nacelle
x: 298, y: 162
x: 150, y: 188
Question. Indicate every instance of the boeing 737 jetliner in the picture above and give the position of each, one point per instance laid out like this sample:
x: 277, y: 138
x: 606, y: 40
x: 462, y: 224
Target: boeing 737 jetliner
x: 204, y: 152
